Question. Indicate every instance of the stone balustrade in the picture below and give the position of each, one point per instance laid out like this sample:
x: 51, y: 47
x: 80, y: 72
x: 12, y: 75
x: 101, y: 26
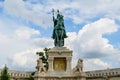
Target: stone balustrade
x: 108, y: 74
x: 111, y: 74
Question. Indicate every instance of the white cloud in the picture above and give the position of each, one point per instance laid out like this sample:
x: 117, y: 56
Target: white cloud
x: 26, y: 33
x: 16, y: 40
x: 26, y: 59
x: 2, y: 37
x: 77, y: 10
x: 87, y: 43
x: 18, y: 45
x: 90, y: 44
x: 82, y: 10
x: 95, y: 64
x: 20, y: 9
x: 71, y: 39
x: 43, y: 42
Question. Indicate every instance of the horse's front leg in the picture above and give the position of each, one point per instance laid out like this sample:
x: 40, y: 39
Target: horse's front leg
x: 61, y: 38
x: 61, y: 35
x: 56, y: 35
x: 57, y: 38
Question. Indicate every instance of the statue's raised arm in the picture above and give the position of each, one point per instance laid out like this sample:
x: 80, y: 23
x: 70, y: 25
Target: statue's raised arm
x: 59, y: 32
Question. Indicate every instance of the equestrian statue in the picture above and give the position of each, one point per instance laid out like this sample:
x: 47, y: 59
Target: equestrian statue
x: 59, y: 32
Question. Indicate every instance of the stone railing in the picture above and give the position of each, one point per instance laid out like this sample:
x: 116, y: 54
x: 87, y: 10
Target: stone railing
x: 103, y: 74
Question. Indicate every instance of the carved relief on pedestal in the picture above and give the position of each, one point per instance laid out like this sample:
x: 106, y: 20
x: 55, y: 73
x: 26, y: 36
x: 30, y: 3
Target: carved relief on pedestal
x: 59, y: 64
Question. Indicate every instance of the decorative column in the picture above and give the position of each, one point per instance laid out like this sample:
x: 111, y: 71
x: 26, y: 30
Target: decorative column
x: 68, y: 63
x: 50, y: 62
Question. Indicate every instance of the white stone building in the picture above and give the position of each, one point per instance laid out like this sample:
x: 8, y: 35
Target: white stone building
x: 18, y: 75
x: 107, y: 74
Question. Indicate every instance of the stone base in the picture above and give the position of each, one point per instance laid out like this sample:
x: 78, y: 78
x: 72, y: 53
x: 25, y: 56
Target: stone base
x: 57, y: 78
x: 60, y: 76
x: 57, y: 53
x: 59, y: 60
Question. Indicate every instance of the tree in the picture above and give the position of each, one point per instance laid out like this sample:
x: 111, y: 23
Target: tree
x: 31, y: 77
x: 4, y: 74
x: 44, y: 57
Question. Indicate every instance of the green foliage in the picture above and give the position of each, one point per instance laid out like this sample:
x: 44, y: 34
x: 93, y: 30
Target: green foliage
x: 44, y: 57
x: 4, y: 74
x: 32, y: 73
x: 31, y: 78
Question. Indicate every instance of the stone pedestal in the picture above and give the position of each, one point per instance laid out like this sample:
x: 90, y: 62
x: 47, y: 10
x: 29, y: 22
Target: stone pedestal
x: 62, y: 57
x: 59, y: 60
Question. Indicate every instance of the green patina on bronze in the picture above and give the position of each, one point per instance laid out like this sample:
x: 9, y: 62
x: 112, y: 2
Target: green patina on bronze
x: 59, y: 32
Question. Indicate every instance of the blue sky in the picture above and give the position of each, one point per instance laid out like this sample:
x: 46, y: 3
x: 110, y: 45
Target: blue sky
x: 93, y: 29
